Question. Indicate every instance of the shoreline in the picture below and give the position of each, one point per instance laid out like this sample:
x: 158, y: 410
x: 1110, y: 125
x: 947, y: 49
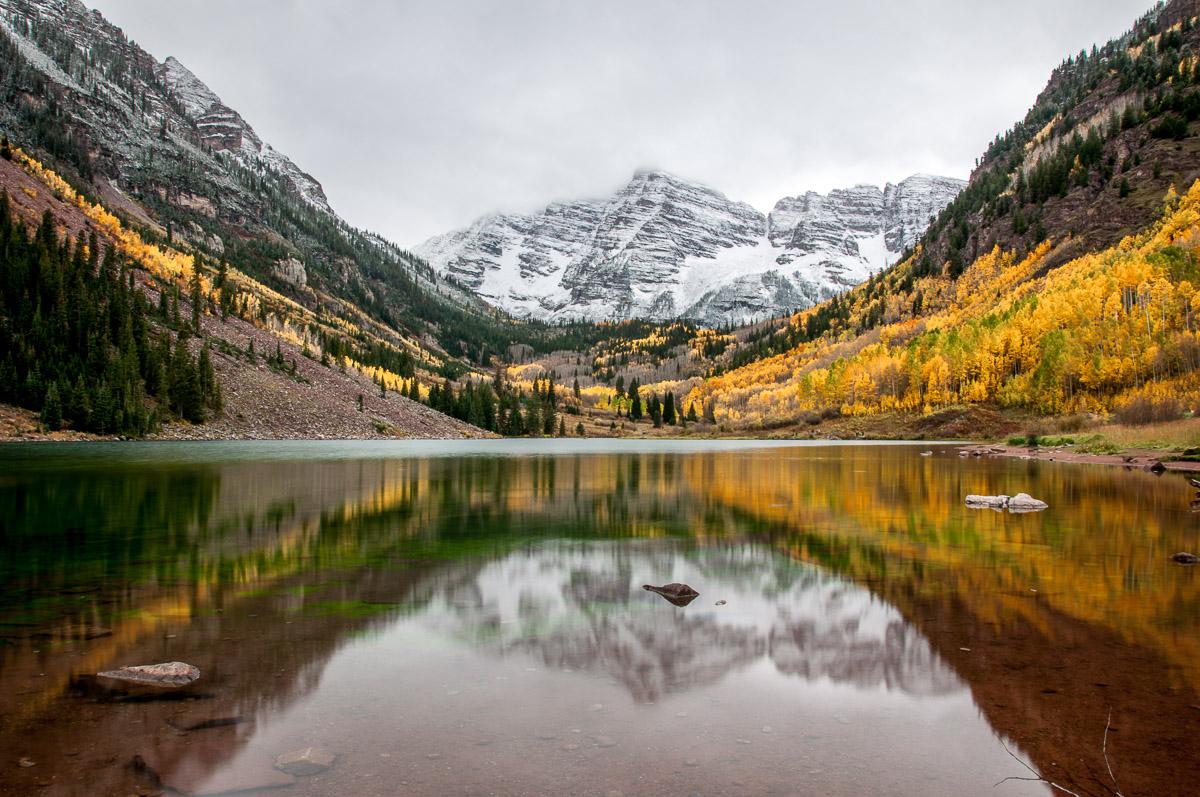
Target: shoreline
x: 1130, y: 459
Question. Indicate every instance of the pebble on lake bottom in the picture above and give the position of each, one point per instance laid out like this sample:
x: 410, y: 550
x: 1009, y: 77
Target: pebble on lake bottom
x: 604, y: 741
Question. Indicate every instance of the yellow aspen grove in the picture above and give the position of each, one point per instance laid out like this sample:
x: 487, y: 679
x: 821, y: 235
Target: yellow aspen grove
x: 1093, y: 334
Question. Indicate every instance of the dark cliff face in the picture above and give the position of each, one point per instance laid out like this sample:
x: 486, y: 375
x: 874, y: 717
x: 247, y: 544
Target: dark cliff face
x: 664, y: 247
x: 1112, y: 131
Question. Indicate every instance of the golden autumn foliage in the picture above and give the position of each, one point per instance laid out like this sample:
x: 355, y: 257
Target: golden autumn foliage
x: 282, y: 316
x: 1085, y: 336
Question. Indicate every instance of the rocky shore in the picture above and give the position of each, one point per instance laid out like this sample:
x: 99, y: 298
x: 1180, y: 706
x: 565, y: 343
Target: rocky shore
x: 1139, y: 459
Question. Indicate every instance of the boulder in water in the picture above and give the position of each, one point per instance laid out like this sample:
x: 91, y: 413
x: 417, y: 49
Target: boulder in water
x: 678, y: 594
x: 987, y: 501
x: 1024, y: 502
x: 1019, y: 503
x: 1185, y: 558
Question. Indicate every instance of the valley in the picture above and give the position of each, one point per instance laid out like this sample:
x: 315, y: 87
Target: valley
x: 931, y: 307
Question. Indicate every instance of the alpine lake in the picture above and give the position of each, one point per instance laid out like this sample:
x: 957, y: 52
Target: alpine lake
x: 468, y: 618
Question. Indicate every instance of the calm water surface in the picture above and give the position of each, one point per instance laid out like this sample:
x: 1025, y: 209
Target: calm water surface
x: 468, y: 618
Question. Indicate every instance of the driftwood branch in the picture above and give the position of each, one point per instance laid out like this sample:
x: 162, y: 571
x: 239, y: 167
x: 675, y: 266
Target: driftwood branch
x: 1104, y: 750
x: 1038, y: 778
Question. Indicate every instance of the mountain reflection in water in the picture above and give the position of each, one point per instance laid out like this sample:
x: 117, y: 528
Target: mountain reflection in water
x: 578, y: 606
x: 453, y: 620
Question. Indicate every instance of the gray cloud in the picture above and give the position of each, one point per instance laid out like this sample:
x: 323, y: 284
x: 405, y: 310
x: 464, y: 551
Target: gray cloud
x: 420, y: 116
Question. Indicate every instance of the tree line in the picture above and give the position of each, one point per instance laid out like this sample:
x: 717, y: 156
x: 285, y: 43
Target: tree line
x: 81, y: 344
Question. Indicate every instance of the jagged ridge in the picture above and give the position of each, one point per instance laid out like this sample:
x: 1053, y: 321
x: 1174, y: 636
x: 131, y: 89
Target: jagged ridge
x: 664, y: 247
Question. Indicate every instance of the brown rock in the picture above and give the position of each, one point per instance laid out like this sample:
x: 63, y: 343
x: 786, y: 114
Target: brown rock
x: 171, y: 674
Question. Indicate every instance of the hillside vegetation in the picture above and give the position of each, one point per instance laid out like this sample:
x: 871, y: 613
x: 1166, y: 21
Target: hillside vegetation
x: 1099, y: 333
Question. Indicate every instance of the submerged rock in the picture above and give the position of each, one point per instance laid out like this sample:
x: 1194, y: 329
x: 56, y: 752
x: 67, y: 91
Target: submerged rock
x: 678, y: 594
x: 1185, y: 558
x: 307, y: 761
x: 250, y: 773
x: 170, y: 674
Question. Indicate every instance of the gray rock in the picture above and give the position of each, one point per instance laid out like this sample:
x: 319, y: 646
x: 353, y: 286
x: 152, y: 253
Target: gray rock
x: 1017, y: 504
x: 987, y: 501
x: 1023, y: 502
x: 171, y: 674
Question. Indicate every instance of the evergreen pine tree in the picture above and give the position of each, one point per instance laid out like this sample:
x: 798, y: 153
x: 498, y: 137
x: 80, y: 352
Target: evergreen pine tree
x: 668, y: 412
x: 52, y: 408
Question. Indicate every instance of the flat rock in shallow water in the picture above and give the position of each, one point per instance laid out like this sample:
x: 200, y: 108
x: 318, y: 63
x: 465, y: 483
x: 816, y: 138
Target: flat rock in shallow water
x: 987, y: 501
x: 1021, y: 502
x: 171, y: 674
x: 1184, y: 558
x: 307, y: 761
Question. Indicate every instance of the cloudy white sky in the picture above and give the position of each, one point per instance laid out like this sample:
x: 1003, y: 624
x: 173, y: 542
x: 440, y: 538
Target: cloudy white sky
x: 419, y: 116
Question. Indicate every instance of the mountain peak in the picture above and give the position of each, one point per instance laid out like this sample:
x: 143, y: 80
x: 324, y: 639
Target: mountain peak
x: 190, y: 91
x: 664, y: 247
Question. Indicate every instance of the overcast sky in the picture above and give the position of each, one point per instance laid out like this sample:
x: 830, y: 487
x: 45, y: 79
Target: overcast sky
x: 418, y: 117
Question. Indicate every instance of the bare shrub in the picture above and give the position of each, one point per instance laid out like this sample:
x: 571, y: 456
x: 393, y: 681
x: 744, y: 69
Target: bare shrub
x: 1143, y: 410
x: 1073, y: 423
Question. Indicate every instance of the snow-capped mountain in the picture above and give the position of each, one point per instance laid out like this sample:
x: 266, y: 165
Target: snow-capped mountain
x: 664, y: 247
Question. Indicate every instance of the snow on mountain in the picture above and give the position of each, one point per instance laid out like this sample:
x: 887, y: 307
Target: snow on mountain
x: 223, y: 128
x: 664, y: 247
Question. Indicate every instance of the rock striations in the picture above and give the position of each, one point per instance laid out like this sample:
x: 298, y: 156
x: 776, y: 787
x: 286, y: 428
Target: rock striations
x: 663, y: 247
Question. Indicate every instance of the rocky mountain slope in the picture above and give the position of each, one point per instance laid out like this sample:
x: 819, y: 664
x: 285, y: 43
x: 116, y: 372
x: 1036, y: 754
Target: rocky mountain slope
x: 1092, y: 158
x: 663, y: 247
x: 159, y: 148
x: 300, y: 395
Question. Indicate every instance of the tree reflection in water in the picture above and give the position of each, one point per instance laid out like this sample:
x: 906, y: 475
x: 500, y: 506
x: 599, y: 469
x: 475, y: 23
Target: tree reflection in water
x: 843, y: 568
